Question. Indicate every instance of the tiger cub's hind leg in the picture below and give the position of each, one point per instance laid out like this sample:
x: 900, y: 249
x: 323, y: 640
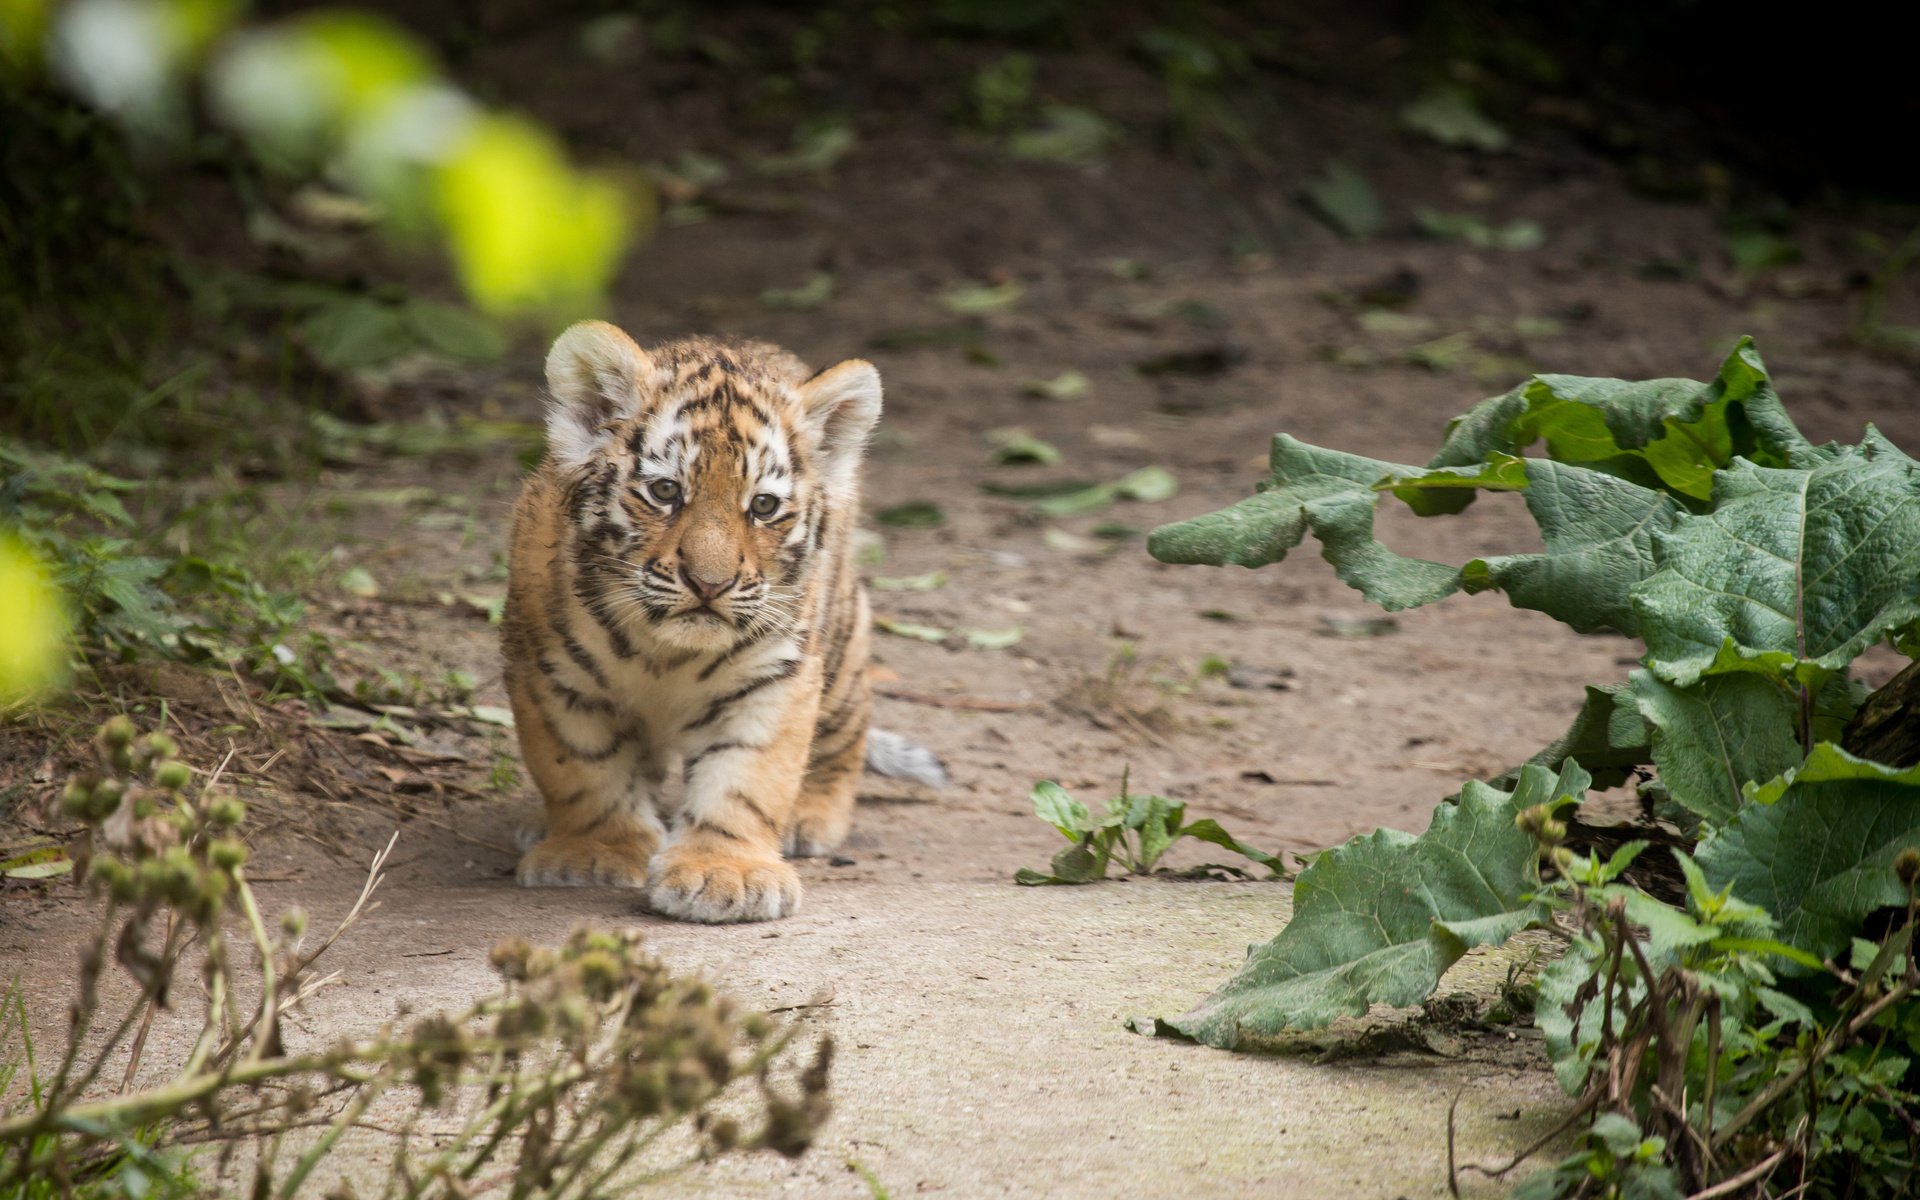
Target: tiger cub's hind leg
x: 601, y: 826
x: 823, y: 814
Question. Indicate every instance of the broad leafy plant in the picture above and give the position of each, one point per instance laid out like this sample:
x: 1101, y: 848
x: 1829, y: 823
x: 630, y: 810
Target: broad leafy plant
x: 1755, y: 567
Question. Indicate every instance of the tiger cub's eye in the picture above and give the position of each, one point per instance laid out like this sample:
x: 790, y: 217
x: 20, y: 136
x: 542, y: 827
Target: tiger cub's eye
x: 666, y: 491
x: 765, y: 505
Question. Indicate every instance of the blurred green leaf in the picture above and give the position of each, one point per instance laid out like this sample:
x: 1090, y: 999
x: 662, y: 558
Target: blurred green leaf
x: 1754, y: 250
x: 1014, y: 445
x: 914, y: 514
x: 817, y: 146
x: 817, y: 290
x: 931, y: 581
x: 1067, y: 385
x: 358, y: 581
x: 1067, y: 134
x: 911, y: 629
x: 1465, y: 227
x: 44, y: 863
x: 978, y: 300
x: 1450, y: 117
x: 1148, y: 485
x: 994, y: 639
x: 1345, y: 200
x: 353, y: 332
x: 454, y: 331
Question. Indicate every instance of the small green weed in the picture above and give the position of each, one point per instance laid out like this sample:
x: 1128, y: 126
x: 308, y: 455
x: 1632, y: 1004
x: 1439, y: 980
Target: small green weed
x: 1136, y: 831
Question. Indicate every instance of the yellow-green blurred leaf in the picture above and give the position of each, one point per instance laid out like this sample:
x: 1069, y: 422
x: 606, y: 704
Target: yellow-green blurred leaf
x: 194, y: 24
x: 23, y: 32
x: 526, y: 232
x: 33, y: 634
x: 369, y: 61
x: 44, y: 863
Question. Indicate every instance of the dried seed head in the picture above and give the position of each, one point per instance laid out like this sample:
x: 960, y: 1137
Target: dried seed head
x: 1537, y: 821
x: 645, y: 1089
x: 688, y: 1084
x: 788, y: 1130
x: 106, y: 797
x: 114, y: 876
x: 173, y: 877
x: 510, y: 956
x: 118, y: 732
x: 77, y: 800
x: 224, y: 812
x: 599, y: 974
x: 229, y: 854
x: 1906, y: 865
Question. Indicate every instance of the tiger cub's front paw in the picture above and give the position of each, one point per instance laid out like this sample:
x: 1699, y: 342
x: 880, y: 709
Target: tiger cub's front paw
x: 693, y: 883
x: 583, y: 862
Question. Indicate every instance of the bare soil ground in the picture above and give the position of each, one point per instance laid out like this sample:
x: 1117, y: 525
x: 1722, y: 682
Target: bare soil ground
x: 980, y: 1023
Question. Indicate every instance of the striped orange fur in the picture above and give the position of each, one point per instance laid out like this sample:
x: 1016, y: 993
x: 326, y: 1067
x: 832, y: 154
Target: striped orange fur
x: 682, y: 587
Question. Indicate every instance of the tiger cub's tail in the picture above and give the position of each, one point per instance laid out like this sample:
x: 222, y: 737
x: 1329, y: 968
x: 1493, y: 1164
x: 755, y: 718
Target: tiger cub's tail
x: 895, y: 757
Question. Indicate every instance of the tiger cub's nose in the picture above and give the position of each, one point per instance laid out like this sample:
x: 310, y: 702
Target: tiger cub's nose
x: 704, y: 586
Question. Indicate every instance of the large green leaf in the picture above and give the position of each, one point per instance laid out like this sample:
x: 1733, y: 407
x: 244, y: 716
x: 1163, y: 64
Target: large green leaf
x: 1713, y: 739
x: 1819, y: 857
x: 1379, y: 919
x: 1828, y: 763
x: 1329, y: 493
x: 1792, y: 574
x: 1599, y: 531
x: 1667, y: 433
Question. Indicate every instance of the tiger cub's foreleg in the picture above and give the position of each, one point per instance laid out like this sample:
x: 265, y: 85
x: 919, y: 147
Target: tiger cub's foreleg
x: 722, y: 859
x: 599, y: 779
x: 823, y: 814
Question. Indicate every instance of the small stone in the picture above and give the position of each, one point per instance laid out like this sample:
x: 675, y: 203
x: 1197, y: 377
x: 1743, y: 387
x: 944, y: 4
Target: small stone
x: 840, y: 860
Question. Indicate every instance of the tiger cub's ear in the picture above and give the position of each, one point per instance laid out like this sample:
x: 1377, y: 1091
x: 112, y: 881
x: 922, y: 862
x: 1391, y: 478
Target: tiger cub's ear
x: 839, y: 407
x: 596, y: 374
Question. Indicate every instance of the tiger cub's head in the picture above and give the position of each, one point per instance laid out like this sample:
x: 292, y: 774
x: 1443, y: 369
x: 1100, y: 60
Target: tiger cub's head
x: 697, y: 477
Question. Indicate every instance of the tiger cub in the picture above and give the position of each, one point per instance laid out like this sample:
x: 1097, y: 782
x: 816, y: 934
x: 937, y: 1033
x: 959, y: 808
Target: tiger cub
x: 682, y: 585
